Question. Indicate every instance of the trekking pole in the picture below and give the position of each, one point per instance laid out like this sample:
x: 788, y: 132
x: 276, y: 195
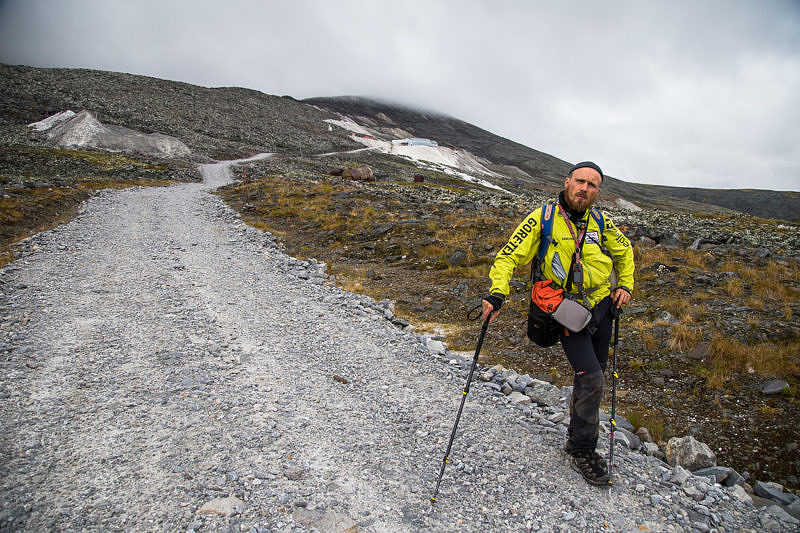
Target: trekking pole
x: 461, y: 407
x: 614, y: 377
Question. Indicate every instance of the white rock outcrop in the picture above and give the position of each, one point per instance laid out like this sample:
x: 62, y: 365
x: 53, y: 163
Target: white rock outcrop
x: 82, y: 130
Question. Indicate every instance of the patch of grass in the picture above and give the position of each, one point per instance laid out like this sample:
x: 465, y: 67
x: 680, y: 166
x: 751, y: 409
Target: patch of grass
x: 792, y: 393
x: 696, y: 259
x: 774, y: 289
x: 637, y: 364
x: 731, y: 356
x: 768, y: 410
x: 684, y: 337
x: 701, y: 296
x: 647, y: 419
x: 646, y: 256
x: 715, y: 377
x: 755, y: 302
x: 103, y: 160
x: 650, y: 342
x: 765, y: 282
x: 676, y: 305
x: 734, y: 287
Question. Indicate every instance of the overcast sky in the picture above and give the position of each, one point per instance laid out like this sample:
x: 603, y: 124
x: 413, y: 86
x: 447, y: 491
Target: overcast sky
x: 693, y: 93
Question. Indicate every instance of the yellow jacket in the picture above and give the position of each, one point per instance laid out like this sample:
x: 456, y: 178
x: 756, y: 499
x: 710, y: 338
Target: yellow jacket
x: 523, y: 246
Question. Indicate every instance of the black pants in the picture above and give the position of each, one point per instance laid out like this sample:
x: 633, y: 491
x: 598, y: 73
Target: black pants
x: 588, y: 355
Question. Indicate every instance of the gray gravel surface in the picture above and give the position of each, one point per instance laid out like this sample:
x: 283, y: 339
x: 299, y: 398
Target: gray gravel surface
x: 167, y: 368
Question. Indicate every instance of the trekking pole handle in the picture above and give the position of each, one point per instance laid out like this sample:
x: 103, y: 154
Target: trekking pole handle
x: 476, y: 316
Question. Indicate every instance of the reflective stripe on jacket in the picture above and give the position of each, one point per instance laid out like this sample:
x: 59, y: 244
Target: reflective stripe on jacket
x: 523, y: 246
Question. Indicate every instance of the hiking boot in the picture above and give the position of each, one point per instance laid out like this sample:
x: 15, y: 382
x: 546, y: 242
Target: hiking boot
x: 600, y: 460
x: 597, y: 457
x: 591, y: 466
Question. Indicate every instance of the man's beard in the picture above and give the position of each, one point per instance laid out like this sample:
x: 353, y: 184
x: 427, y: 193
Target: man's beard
x: 580, y: 203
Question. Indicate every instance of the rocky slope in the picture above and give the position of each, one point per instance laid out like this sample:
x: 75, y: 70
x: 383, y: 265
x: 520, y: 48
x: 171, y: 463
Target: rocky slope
x: 154, y: 379
x: 217, y: 123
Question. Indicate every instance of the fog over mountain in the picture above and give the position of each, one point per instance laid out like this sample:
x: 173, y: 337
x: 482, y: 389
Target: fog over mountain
x: 695, y: 94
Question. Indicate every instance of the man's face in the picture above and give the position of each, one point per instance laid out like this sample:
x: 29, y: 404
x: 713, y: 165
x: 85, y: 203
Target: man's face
x: 582, y: 188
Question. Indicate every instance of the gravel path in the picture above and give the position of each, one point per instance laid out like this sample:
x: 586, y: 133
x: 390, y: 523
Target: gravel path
x: 167, y: 368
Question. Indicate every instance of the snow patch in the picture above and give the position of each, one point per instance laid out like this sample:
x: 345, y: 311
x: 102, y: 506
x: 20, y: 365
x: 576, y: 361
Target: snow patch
x: 349, y: 124
x: 456, y: 163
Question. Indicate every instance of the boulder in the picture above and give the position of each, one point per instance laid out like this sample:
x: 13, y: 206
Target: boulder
x: 727, y: 477
x: 774, y: 386
x: 624, y: 423
x: 689, y: 453
x: 774, y: 492
x: 543, y: 393
x: 458, y: 258
x: 222, y: 506
x: 362, y: 173
x: 518, y: 398
x: 644, y: 434
x: 783, y: 517
x: 666, y: 316
x: 651, y: 448
x: 634, y: 442
x: 700, y: 351
x: 623, y: 438
x: 717, y: 474
x: 733, y: 479
x: 741, y: 495
x: 522, y: 382
x: 679, y: 475
x: 437, y: 347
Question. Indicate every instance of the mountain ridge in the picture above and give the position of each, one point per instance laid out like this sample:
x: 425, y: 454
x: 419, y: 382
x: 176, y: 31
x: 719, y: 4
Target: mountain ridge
x: 232, y: 122
x: 548, y: 171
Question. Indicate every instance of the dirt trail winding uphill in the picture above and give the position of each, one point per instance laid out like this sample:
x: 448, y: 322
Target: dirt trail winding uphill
x: 158, y: 355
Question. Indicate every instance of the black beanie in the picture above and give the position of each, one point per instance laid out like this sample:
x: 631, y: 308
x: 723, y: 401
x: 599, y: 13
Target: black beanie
x: 586, y: 164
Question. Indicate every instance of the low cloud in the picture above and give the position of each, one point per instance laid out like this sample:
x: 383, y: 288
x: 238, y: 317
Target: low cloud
x: 680, y: 93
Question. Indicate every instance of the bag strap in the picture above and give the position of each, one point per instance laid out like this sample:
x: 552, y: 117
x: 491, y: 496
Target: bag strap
x: 598, y: 217
x: 548, y: 212
x: 545, y: 238
x: 576, y: 258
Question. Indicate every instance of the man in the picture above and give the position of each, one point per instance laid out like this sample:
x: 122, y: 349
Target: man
x: 586, y: 277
